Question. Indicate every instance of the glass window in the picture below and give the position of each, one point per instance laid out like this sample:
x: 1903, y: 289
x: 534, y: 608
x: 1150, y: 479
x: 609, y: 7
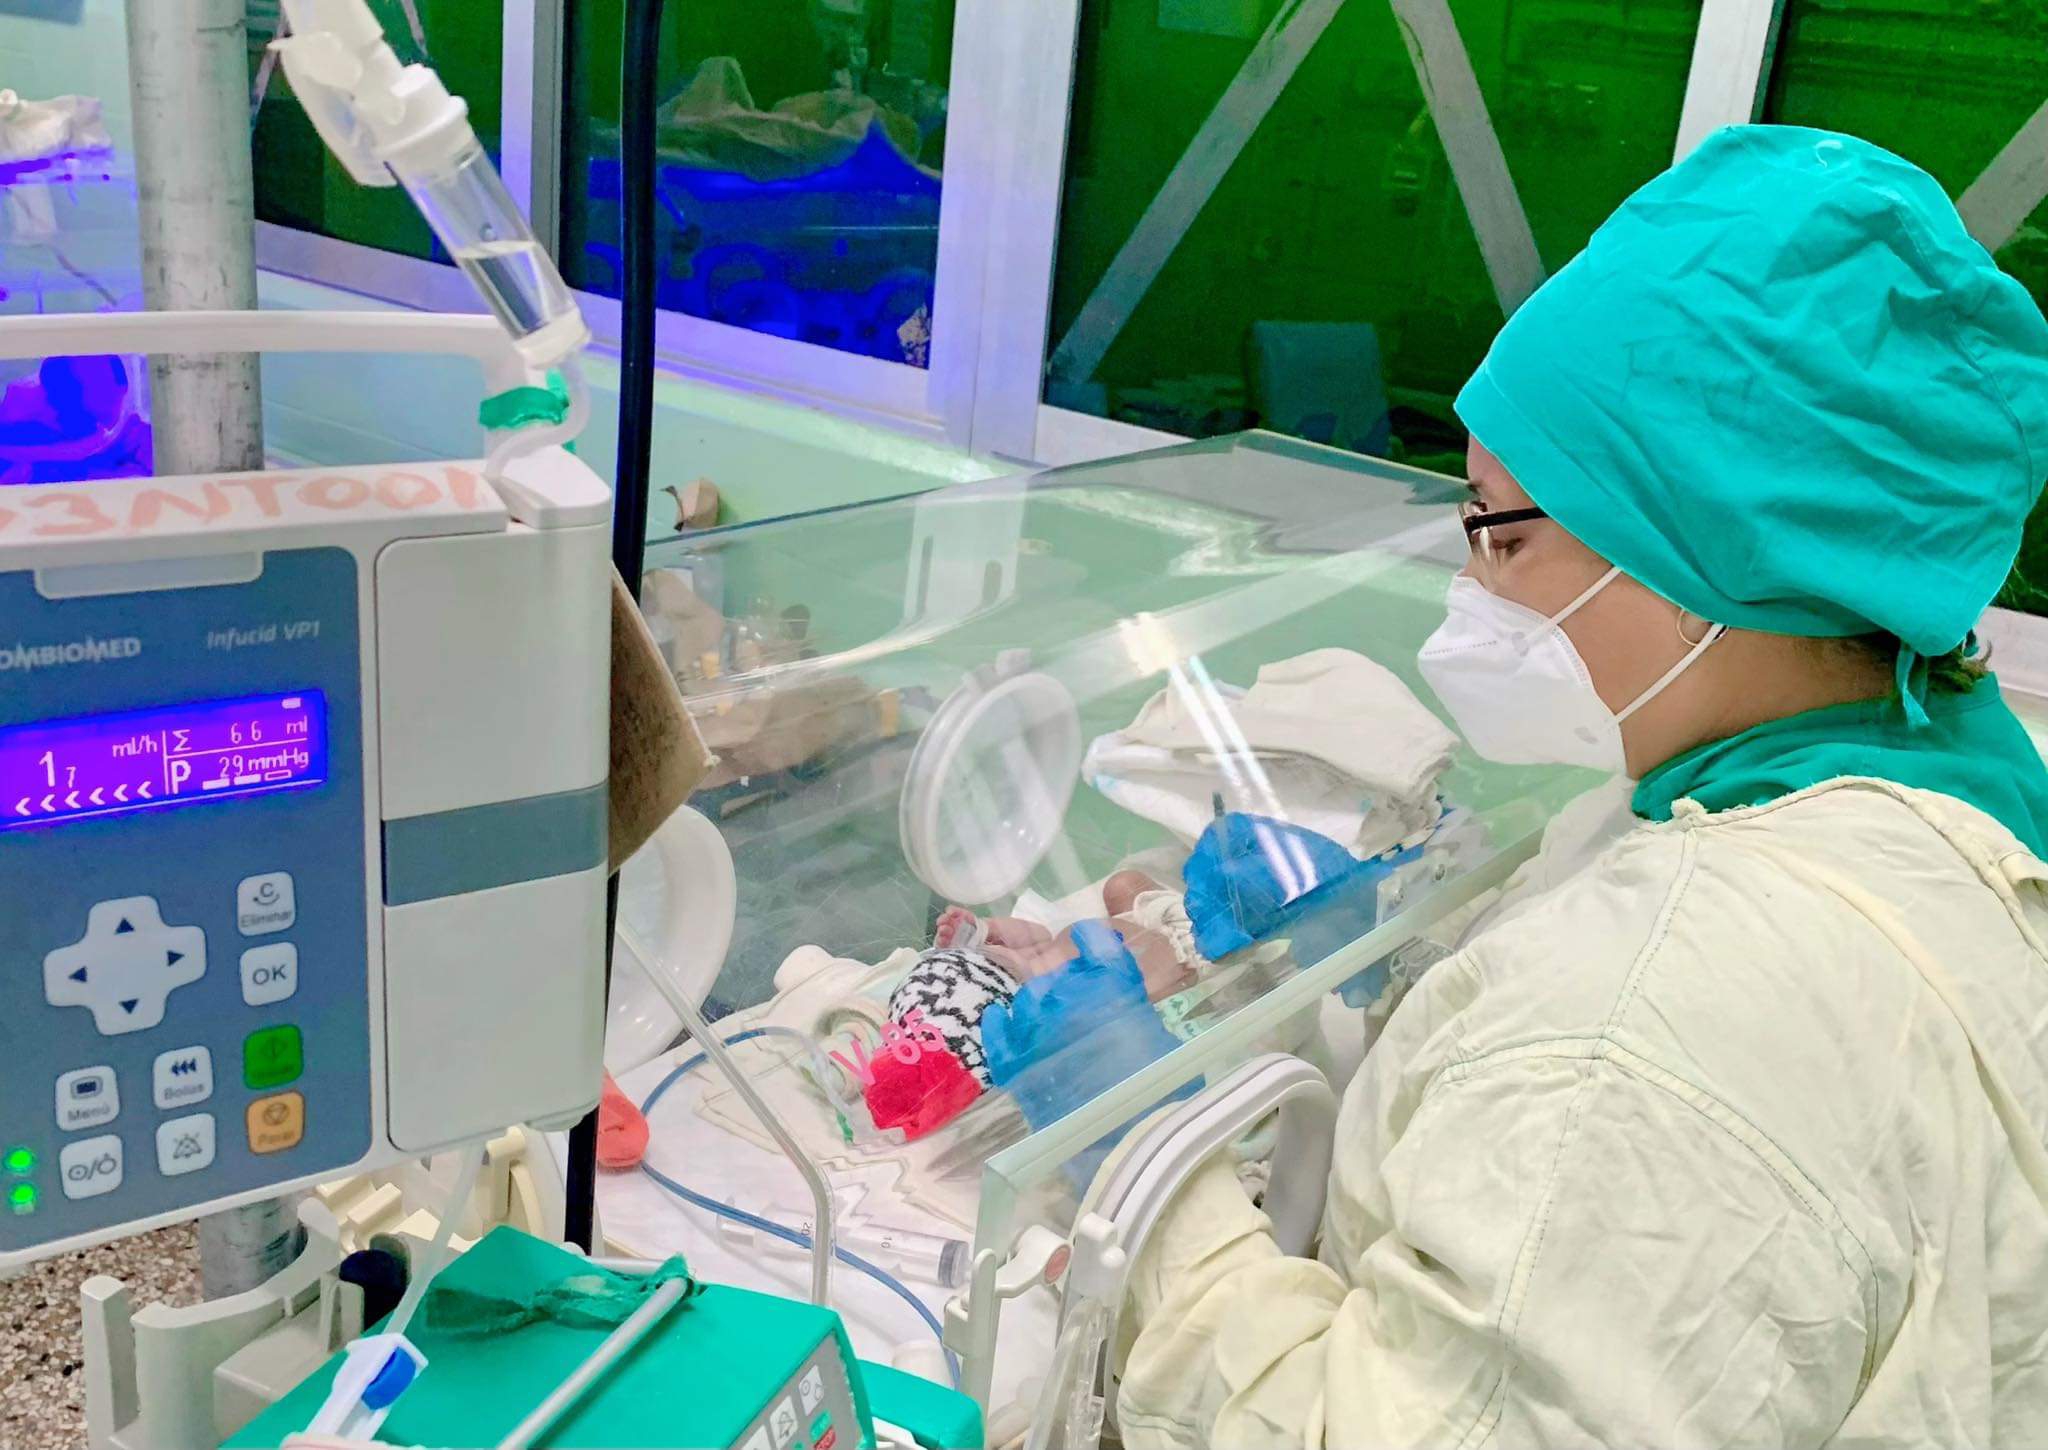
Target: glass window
x: 299, y: 184
x: 1946, y: 85
x: 800, y: 145
x: 1331, y: 282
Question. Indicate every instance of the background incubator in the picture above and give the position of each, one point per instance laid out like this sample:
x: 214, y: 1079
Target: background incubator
x: 67, y: 244
x: 1196, y: 665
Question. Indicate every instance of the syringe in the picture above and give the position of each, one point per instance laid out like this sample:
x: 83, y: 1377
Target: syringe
x: 908, y: 1253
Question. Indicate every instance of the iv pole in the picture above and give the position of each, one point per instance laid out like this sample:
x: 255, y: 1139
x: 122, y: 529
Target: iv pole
x: 639, y: 52
x: 188, y: 82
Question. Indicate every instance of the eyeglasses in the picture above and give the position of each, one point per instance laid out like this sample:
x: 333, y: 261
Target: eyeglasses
x: 1479, y: 523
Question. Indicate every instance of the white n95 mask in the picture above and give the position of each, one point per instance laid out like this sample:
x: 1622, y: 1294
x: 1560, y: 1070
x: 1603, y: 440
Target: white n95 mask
x: 1516, y: 687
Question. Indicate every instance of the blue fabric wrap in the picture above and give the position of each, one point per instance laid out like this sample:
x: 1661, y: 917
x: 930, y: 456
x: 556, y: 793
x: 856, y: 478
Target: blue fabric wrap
x: 1252, y: 877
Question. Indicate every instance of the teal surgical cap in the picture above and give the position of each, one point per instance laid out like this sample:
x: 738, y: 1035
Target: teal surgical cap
x: 1783, y: 388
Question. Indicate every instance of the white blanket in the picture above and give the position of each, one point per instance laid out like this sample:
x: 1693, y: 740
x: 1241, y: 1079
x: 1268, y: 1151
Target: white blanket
x: 1328, y: 740
x: 829, y: 998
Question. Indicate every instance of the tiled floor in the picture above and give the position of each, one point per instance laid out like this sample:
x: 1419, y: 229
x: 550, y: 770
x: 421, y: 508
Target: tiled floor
x: 42, y: 1376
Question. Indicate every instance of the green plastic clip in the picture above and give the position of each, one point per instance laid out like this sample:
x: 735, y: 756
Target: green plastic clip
x: 518, y: 407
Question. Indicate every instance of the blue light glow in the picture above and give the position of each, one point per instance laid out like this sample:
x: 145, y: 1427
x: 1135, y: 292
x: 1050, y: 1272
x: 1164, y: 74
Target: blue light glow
x: 102, y: 765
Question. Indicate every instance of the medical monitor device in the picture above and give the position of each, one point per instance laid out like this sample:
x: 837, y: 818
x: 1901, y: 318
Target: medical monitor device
x: 302, y: 808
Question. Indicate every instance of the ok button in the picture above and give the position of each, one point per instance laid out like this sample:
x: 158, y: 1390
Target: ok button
x: 269, y: 973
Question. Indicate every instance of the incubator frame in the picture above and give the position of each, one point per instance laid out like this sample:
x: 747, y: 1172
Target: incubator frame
x: 972, y: 1319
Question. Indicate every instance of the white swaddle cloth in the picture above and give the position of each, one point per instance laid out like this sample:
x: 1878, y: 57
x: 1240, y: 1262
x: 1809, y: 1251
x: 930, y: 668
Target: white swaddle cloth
x: 1328, y: 740
x: 1166, y: 913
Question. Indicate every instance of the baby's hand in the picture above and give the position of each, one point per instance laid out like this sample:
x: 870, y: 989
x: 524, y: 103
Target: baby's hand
x: 956, y: 924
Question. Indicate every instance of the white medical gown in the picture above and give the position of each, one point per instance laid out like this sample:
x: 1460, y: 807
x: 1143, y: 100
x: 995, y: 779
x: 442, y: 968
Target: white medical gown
x: 1734, y: 1137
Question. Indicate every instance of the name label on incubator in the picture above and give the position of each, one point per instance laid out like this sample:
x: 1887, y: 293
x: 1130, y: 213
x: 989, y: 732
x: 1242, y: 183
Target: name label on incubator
x: 195, y: 505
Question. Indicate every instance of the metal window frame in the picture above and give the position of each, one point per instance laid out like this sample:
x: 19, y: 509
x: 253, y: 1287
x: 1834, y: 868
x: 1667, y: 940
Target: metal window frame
x: 2019, y: 652
x: 1011, y: 82
x: 1011, y: 77
x: 1732, y: 53
x: 531, y: 105
x: 1012, y: 90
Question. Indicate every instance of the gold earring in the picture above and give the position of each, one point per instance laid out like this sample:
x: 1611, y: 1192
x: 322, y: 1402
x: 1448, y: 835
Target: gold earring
x: 1678, y: 624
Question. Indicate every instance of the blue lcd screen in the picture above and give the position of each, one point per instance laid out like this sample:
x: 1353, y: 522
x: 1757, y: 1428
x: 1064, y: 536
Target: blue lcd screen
x: 174, y: 755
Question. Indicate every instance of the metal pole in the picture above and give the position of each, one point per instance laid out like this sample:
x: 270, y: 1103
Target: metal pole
x: 243, y: 1248
x: 188, y: 77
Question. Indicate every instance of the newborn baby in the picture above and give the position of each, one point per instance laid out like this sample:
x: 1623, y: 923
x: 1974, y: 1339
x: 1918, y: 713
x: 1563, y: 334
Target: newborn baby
x: 937, y: 1064
x: 1152, y: 919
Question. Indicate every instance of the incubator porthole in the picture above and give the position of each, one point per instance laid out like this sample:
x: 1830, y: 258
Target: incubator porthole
x: 989, y: 783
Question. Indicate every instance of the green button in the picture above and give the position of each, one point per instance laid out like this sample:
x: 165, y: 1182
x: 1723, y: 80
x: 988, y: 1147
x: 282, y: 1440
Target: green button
x: 820, y: 1425
x: 272, y: 1057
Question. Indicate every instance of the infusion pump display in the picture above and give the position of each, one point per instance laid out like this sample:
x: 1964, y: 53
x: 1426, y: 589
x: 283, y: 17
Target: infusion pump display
x: 173, y: 755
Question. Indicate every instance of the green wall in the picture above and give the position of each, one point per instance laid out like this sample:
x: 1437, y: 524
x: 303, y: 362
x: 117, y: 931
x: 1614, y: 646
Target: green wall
x: 1945, y: 85
x: 1342, y: 207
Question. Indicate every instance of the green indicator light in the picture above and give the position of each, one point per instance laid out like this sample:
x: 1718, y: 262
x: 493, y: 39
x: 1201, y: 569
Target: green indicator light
x: 21, y: 1160
x: 22, y: 1198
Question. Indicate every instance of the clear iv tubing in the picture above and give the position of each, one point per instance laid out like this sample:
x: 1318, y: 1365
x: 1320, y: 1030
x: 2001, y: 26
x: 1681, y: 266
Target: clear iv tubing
x: 519, y: 442
x: 776, y: 1230
x: 713, y: 1047
x: 436, y: 1258
x: 437, y: 1252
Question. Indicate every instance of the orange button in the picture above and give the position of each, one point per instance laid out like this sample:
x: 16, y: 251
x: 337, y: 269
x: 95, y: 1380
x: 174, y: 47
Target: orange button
x: 276, y: 1124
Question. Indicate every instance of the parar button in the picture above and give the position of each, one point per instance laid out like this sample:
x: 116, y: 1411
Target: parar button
x: 277, y: 1123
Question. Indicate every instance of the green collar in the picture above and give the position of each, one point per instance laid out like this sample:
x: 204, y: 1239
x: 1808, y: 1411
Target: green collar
x: 1972, y: 748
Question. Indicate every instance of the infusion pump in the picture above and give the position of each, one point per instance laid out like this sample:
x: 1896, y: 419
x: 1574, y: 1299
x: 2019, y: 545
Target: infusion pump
x: 302, y: 825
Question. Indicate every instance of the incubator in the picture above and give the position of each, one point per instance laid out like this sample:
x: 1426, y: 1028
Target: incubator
x: 67, y: 245
x: 1039, y: 804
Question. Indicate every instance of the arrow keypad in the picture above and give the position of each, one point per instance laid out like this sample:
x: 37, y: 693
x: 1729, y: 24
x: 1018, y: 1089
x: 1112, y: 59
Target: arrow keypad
x: 125, y: 966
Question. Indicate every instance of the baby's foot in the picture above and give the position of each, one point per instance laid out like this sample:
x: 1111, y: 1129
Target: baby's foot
x: 1015, y: 931
x: 956, y: 925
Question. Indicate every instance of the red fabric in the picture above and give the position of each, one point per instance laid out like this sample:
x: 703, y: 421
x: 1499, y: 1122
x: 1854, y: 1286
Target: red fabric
x: 922, y: 1095
x: 621, y: 1129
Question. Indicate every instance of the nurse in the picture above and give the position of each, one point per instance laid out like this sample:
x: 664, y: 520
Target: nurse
x: 1728, y: 1127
